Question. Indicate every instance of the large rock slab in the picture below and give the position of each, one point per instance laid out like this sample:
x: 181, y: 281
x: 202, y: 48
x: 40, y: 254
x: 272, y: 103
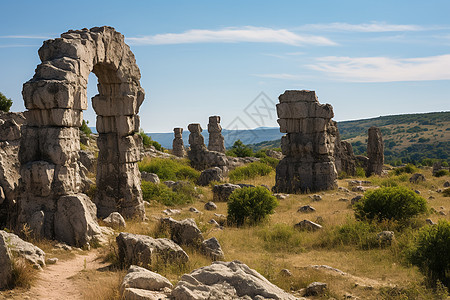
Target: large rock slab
x: 227, y: 280
x: 76, y: 220
x: 209, y: 175
x: 32, y: 254
x: 144, y: 250
x: 141, y: 278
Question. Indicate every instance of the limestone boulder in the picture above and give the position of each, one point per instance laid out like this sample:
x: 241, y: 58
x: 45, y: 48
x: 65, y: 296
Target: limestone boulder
x: 307, y: 225
x: 416, y: 178
x: 209, y: 175
x: 210, y: 205
x: 306, y: 209
x: 141, y: 278
x: 184, y: 232
x: 115, y: 220
x: 76, y: 220
x: 144, y: 250
x: 5, y: 262
x: 150, y: 177
x: 221, y: 192
x: 141, y: 294
x: 227, y: 280
x: 32, y: 254
x: 211, y: 248
x: 316, y: 289
x: 274, y: 154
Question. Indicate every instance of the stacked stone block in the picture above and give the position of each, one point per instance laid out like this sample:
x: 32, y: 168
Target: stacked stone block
x: 178, y: 144
x: 216, y: 139
x: 55, y: 98
x: 308, y: 145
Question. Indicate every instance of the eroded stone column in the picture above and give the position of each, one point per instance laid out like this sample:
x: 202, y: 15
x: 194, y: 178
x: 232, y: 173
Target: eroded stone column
x: 308, y: 145
x: 178, y: 144
x: 216, y: 140
x: 375, y: 151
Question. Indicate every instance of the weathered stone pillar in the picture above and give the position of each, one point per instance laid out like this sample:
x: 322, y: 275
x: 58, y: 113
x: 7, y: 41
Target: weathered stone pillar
x: 375, y: 151
x: 178, y: 144
x: 216, y: 140
x: 308, y: 145
x: 55, y: 98
x: 201, y: 158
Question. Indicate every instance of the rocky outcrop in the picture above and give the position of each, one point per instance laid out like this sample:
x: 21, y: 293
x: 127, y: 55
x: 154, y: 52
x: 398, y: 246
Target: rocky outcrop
x: 6, y: 262
x: 88, y: 160
x: 375, y: 152
x: 416, y: 178
x: 184, y: 232
x: 344, y: 157
x: 201, y: 158
x: 144, y: 250
x: 178, y: 144
x: 216, y: 140
x: 115, y: 220
x: 55, y: 98
x: 309, y: 144
x: 10, y: 134
x: 209, y: 175
x: 227, y: 280
x: 221, y: 192
x: 32, y: 254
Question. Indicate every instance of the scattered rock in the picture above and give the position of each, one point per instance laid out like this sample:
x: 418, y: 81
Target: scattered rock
x: 307, y: 225
x: 115, y: 220
x: 210, y: 206
x: 285, y: 273
x: 184, y: 232
x: 343, y: 200
x: 171, y: 212
x: 51, y: 261
x: 431, y: 198
x: 359, y: 188
x: 209, y: 175
x: 150, y: 177
x: 143, y: 250
x: 222, y: 192
x: 169, y: 183
x: 141, y: 278
x: 227, y: 280
x: 213, y: 222
x: 352, y: 183
x: 140, y: 294
x: 430, y: 222
x: 88, y: 160
x: 385, y: 237
x: 417, y: 192
x: 280, y: 196
x: 315, y: 198
x: 416, y: 178
x: 442, y: 213
x: 447, y: 184
x: 343, y: 189
x: 316, y: 288
x: 194, y: 210
x: 32, y: 254
x: 356, y: 199
x: 63, y: 246
x: 306, y: 209
x: 275, y: 154
x: 5, y: 262
x: 212, y: 249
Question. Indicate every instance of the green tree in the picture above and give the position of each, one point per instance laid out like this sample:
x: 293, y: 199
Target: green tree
x: 240, y: 150
x: 85, y: 128
x: 5, y: 103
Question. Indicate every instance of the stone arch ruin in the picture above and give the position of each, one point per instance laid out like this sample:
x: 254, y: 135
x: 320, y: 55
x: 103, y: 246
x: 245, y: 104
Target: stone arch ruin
x: 51, y: 187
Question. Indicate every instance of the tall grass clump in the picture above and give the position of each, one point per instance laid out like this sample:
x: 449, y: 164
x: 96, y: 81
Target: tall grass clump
x: 390, y: 203
x: 183, y: 194
x: 169, y: 169
x: 431, y: 253
x: 281, y: 238
x: 250, y: 205
x: 250, y: 171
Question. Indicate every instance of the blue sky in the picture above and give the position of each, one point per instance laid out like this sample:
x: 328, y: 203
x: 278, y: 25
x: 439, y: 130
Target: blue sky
x: 234, y: 58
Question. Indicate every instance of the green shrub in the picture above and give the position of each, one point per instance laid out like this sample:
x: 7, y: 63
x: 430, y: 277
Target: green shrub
x: 431, y: 252
x: 250, y: 171
x: 390, y: 203
x: 409, y: 168
x: 281, y: 238
x: 240, y: 150
x: 147, y: 141
x: 5, y: 103
x: 389, y: 182
x: 250, y: 205
x: 186, y: 193
x: 270, y: 161
x: 84, y: 128
x: 169, y: 169
x: 441, y: 173
x: 360, y: 172
x: 446, y: 192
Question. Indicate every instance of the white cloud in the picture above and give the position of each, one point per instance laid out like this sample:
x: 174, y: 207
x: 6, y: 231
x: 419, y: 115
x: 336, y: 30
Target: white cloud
x: 384, y: 69
x: 279, y: 76
x: 366, y: 27
x: 233, y: 35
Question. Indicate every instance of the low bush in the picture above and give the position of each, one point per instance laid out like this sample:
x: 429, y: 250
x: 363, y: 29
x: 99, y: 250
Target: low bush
x: 431, y: 252
x: 250, y: 171
x: 409, y: 168
x: 270, y: 161
x: 240, y: 150
x: 147, y: 141
x: 441, y: 173
x: 185, y: 193
x: 360, y: 172
x: 250, y: 205
x: 169, y: 169
x: 390, y: 203
x: 85, y: 128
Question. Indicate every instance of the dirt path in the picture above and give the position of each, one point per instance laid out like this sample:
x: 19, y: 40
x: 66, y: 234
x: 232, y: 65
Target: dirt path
x: 56, y: 281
